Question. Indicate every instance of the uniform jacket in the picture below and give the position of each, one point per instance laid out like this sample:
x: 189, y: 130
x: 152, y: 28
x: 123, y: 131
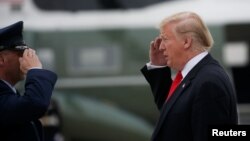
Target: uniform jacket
x: 204, y: 98
x: 19, y: 114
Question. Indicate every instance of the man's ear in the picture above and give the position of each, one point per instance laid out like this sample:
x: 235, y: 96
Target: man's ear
x: 188, y: 42
x: 1, y: 59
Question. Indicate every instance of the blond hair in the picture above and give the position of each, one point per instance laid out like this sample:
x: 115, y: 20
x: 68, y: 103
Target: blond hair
x: 189, y: 23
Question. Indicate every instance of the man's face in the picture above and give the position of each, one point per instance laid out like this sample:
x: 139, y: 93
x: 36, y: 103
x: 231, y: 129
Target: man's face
x: 171, y: 46
x: 13, y: 66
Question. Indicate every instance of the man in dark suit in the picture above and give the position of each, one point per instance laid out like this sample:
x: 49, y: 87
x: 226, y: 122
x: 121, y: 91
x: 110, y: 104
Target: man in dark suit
x: 19, y: 114
x: 204, y: 96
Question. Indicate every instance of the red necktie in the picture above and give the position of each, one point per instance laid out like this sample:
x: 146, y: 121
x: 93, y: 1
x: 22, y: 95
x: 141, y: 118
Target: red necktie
x: 175, y: 83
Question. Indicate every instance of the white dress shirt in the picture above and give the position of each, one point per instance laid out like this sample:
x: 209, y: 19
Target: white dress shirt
x: 190, y: 64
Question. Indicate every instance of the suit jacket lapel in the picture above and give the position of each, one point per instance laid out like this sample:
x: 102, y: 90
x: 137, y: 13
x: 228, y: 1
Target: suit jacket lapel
x: 168, y: 105
x: 186, y: 82
x: 179, y: 91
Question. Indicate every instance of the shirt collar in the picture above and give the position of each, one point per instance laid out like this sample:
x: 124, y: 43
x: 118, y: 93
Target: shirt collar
x: 192, y: 62
x: 10, y: 86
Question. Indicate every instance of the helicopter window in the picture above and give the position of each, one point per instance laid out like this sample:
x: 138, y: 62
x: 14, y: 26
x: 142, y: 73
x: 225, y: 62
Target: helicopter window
x: 240, y: 52
x: 93, y: 60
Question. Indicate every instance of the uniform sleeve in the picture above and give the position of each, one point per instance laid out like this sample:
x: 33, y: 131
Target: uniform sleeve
x: 34, y: 102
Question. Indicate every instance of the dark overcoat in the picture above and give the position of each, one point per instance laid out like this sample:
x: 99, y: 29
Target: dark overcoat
x: 205, y: 97
x: 19, y: 114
